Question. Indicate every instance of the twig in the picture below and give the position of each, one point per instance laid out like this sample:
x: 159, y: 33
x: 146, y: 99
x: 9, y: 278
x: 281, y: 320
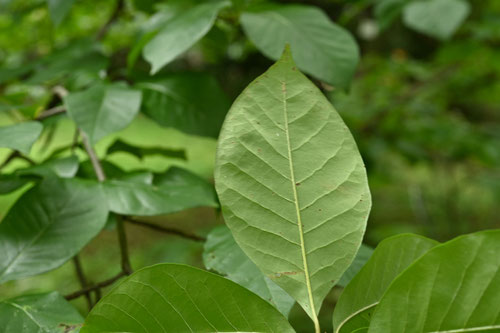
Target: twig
x: 51, y: 112
x: 114, y: 16
x: 96, y: 286
x: 166, y: 230
x: 122, y: 240
x: 99, y: 171
x: 83, y: 280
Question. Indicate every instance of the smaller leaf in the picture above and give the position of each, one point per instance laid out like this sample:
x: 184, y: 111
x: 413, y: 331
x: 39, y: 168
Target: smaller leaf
x: 102, y: 110
x: 179, y: 298
x: 59, y: 9
x: 180, y: 33
x: 223, y: 255
x: 66, y: 167
x: 20, y: 136
x: 436, y: 18
x: 174, y: 191
x: 362, y: 294
x: 47, y: 313
x: 364, y: 254
x: 141, y: 152
x: 10, y: 183
x: 455, y: 287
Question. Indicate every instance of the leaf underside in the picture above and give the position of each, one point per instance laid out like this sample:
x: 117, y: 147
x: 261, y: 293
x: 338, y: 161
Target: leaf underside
x: 292, y: 183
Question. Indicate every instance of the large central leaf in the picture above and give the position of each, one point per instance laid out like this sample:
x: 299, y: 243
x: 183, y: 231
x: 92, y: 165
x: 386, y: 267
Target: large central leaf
x: 292, y: 183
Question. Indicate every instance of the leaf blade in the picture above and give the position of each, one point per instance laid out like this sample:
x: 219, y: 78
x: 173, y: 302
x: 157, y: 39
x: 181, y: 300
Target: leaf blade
x: 25, y: 135
x: 255, y: 183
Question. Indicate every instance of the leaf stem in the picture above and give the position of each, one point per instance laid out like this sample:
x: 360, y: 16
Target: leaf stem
x: 122, y: 240
x: 81, y: 277
x: 166, y: 230
x: 96, y: 286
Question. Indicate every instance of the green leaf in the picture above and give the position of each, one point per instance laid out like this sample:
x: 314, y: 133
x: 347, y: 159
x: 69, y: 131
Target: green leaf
x: 364, y: 254
x: 191, y: 102
x: 66, y: 167
x: 320, y: 47
x: 59, y: 9
x: 10, y: 183
x: 180, y: 33
x: 141, y: 152
x: 454, y: 287
x: 48, y: 225
x: 179, y: 298
x: 111, y: 171
x: 386, y: 11
x: 292, y: 183
x: 174, y: 191
x: 20, y: 136
x: 223, y: 255
x: 47, y: 313
x: 362, y: 294
x: 102, y: 110
x: 436, y: 18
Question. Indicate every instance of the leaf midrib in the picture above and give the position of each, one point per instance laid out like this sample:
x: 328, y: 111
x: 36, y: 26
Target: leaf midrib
x: 296, y: 203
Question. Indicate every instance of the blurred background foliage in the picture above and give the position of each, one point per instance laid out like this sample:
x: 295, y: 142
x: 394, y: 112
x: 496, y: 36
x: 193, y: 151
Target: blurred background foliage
x: 423, y: 105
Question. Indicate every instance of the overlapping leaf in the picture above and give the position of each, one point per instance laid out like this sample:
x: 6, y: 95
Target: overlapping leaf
x: 454, y: 287
x: 320, y: 47
x: 292, y: 184
x: 176, y: 190
x: 42, y: 313
x: 361, y: 296
x: 48, y: 225
x: 223, y: 255
x: 178, y: 298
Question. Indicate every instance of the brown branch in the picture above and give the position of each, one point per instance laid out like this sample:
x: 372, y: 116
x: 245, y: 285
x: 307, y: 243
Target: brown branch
x: 96, y: 286
x: 122, y: 240
x: 83, y: 280
x: 51, y: 112
x: 96, y: 164
x: 165, y: 230
x: 114, y: 16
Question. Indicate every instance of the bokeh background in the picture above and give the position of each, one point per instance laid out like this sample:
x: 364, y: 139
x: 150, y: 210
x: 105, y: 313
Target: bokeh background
x: 425, y: 113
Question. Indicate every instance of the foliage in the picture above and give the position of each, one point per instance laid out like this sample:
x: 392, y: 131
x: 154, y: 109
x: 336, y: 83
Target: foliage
x: 109, y: 118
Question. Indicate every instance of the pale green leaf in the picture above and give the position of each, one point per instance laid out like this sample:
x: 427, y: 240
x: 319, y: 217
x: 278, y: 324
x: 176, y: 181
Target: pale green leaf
x: 178, y: 298
x: 362, y: 294
x: 174, y: 191
x: 48, y: 225
x: 223, y: 255
x: 453, y: 288
x: 58, y: 9
x: 292, y: 183
x: 436, y: 18
x: 320, y: 47
x: 102, y: 110
x: 65, y: 167
x: 191, y: 102
x: 180, y: 33
x: 42, y: 313
x: 20, y: 136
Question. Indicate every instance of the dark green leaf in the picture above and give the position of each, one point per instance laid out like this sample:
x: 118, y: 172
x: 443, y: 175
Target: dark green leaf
x: 193, y: 103
x: 292, y: 183
x: 362, y: 294
x: 436, y: 18
x: 455, y: 287
x: 62, y: 167
x: 223, y: 255
x: 178, y: 298
x: 320, y: 47
x: 102, y: 110
x: 180, y: 33
x: 48, y: 225
x: 364, y: 254
x: 141, y: 152
x: 42, y: 313
x: 20, y: 136
x: 171, y: 192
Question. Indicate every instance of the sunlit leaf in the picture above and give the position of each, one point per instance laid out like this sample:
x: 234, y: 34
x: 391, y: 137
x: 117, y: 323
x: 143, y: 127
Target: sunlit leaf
x: 292, y: 183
